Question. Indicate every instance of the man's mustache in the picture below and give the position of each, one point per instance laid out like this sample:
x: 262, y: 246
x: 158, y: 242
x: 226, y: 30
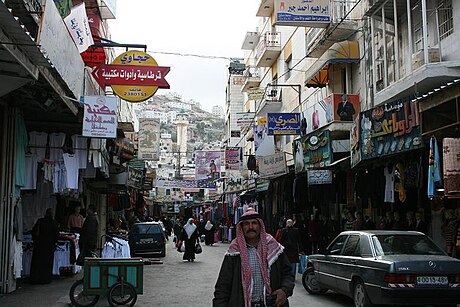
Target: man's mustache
x: 251, y: 231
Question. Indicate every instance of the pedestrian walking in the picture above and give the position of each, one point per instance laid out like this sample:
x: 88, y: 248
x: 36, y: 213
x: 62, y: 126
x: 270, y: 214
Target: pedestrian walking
x: 45, y: 234
x: 190, y: 237
x: 88, y: 235
x: 255, y: 271
x: 290, y: 239
x: 177, y: 231
x: 209, y: 233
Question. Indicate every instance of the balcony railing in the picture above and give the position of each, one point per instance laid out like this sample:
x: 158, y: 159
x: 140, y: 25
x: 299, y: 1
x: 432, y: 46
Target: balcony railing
x: 252, y: 78
x: 268, y: 49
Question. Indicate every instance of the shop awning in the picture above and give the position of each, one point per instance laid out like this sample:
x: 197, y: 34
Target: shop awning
x: 342, y: 52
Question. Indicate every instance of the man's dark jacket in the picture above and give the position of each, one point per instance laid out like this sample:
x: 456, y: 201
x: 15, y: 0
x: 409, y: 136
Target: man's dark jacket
x: 229, y: 290
x: 88, y: 234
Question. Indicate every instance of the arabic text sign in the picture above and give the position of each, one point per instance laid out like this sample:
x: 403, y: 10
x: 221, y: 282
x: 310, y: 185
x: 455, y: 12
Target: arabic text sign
x: 136, y: 92
x: 245, y: 119
x: 234, y: 158
x: 390, y: 129
x: 302, y: 13
x: 272, y: 166
x: 100, y: 117
x: 283, y: 123
x: 317, y: 149
x: 107, y: 74
x: 175, y: 183
x: 319, y: 177
x: 78, y: 26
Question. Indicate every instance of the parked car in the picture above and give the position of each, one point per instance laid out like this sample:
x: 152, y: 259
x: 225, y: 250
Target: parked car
x: 147, y: 239
x: 385, y: 267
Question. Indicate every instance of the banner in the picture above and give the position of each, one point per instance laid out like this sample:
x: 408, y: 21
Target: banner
x: 78, y: 26
x: 175, y: 183
x: 283, y: 123
x: 272, y: 166
x: 100, y: 117
x: 149, y: 134
x: 316, y: 177
x: 245, y: 119
x: 234, y: 158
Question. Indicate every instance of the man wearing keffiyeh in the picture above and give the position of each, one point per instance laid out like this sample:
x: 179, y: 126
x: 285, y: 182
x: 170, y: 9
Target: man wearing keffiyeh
x: 255, y: 271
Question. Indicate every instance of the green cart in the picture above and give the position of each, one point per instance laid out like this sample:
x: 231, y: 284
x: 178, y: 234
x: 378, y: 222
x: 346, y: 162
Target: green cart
x: 121, y: 279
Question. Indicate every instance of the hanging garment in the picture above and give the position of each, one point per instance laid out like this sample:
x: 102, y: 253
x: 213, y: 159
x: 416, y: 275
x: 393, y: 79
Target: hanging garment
x: 80, y: 144
x: 30, y: 182
x: 434, y: 175
x: 21, y: 147
x: 57, y: 141
x: 451, y: 158
x: 37, y: 144
x: 400, y: 184
x: 389, y: 184
x: 71, y: 166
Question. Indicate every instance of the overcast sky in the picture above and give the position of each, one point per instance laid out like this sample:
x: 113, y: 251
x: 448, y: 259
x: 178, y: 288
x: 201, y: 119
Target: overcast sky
x: 203, y: 27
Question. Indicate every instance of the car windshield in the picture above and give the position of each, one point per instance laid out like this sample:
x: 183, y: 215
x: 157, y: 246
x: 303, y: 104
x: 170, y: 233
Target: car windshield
x: 146, y: 229
x: 405, y: 245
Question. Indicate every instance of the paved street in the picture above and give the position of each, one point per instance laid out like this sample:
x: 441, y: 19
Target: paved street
x: 173, y: 283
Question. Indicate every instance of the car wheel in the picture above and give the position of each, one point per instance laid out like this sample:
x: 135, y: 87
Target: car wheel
x: 310, y: 283
x: 360, y: 297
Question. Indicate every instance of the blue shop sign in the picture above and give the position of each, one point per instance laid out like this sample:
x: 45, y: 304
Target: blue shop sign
x: 283, y: 123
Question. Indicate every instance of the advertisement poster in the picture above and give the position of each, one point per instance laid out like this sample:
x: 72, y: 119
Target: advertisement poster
x: 149, y: 133
x: 207, y: 164
x: 316, y: 177
x: 100, y: 117
x: 346, y: 107
x: 302, y: 13
x: 283, y: 123
x: 390, y: 129
x: 272, y: 166
x: 298, y: 156
x: 245, y: 119
x: 234, y: 158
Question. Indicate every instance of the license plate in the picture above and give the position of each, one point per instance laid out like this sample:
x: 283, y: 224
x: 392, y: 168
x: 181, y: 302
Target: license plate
x: 146, y: 240
x: 432, y: 280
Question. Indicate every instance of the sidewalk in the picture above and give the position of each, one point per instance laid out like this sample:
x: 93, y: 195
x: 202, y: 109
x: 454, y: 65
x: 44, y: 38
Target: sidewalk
x: 54, y: 294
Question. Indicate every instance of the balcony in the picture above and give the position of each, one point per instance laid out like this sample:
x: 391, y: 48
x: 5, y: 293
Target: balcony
x: 341, y: 27
x: 265, y: 8
x: 108, y: 8
x: 252, y: 78
x: 268, y: 49
x: 250, y: 40
x: 272, y: 103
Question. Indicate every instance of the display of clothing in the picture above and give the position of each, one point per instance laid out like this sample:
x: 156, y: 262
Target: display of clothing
x: 389, y: 184
x: 71, y: 166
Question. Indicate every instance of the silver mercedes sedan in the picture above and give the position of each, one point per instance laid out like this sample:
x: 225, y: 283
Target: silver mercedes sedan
x: 385, y: 268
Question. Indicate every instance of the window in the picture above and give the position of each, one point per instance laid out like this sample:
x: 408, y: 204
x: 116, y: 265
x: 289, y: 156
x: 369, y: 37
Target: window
x: 446, y: 20
x: 287, y: 68
x: 351, y: 248
x: 337, y: 246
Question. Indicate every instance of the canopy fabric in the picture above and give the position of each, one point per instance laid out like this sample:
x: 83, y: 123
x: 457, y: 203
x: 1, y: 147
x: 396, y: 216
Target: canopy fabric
x: 342, y: 52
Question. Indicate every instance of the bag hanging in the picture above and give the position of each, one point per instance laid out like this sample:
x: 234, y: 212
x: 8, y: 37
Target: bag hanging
x: 198, y: 248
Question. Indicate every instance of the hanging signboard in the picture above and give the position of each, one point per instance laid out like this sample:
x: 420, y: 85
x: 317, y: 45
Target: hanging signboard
x: 245, y: 119
x: 134, y: 76
x: 317, y: 149
x: 135, y: 177
x: 302, y: 13
x: 316, y: 177
x: 207, y: 168
x: 272, y: 166
x: 297, y: 147
x: 175, y: 183
x: 390, y: 129
x: 234, y: 158
x: 100, y: 117
x: 283, y: 123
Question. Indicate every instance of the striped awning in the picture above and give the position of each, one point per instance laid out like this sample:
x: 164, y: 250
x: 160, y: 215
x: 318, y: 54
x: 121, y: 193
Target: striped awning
x: 342, y: 52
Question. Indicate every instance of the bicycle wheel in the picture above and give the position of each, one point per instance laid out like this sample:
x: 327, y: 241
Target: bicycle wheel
x: 78, y: 298
x: 122, y: 293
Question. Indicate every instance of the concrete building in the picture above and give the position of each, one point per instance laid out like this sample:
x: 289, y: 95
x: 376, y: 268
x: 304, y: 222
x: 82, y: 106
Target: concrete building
x: 217, y: 111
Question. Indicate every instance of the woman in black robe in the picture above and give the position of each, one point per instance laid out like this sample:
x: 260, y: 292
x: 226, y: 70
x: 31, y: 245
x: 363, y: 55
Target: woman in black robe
x: 190, y: 237
x: 209, y: 233
x: 45, y: 234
